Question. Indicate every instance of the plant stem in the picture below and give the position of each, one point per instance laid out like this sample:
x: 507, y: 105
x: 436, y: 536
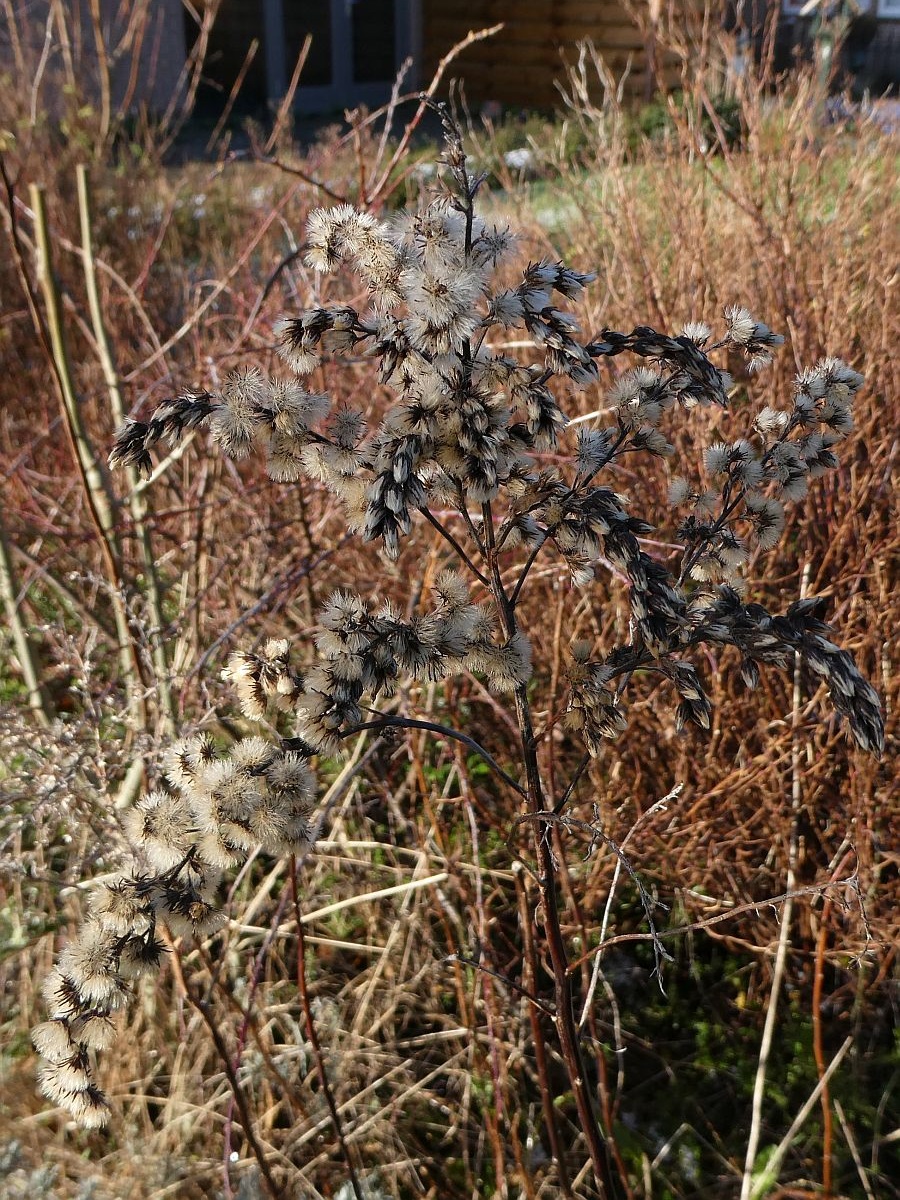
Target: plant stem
x: 443, y: 731
x: 136, y: 501
x: 565, y: 1017
x: 784, y: 939
x: 537, y: 1033
x: 97, y: 490
x: 448, y: 536
x: 9, y: 589
x: 566, y: 1028
x: 314, y: 1037
x: 203, y: 1009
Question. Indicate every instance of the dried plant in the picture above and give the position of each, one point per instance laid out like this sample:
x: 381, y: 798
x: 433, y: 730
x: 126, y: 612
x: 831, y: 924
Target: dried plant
x: 473, y: 442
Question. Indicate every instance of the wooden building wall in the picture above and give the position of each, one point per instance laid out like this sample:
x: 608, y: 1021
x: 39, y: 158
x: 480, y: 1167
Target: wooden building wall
x: 519, y: 65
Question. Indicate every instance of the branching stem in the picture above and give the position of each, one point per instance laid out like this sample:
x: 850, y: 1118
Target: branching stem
x: 443, y: 731
x: 566, y: 1028
x: 511, y: 983
x: 448, y: 536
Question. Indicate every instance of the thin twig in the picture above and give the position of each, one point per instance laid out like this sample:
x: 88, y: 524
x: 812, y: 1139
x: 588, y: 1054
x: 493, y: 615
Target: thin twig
x: 469, y: 40
x: 505, y: 979
x: 676, y: 931
x: 768, y: 1177
x: 596, y: 834
x: 448, y: 536
x: 784, y: 935
x: 573, y: 783
x: 854, y: 1150
x: 136, y: 503
x: 271, y: 280
x: 604, y: 924
x: 232, y: 95
x: 303, y: 988
x: 243, y: 1031
x: 216, y: 291
x: 529, y: 563
x: 203, y: 1009
x: 294, y: 575
x: 443, y: 731
x: 287, y: 101
x: 304, y: 176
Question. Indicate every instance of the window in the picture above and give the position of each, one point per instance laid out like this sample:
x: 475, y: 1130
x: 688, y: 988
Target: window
x: 357, y: 48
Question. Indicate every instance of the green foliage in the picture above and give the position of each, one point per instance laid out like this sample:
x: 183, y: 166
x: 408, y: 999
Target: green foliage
x: 12, y: 687
x: 552, y: 139
x: 658, y: 121
x: 692, y: 1057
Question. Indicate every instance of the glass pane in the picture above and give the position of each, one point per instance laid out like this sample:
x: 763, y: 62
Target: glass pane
x: 300, y: 18
x: 230, y: 39
x: 374, y: 56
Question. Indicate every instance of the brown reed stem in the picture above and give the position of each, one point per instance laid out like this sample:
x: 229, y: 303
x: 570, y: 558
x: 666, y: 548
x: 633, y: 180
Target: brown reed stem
x: 97, y: 491
x: 313, y: 1036
x: 566, y: 1028
x: 203, y: 1008
x: 9, y: 590
x: 287, y: 101
x: 184, y: 94
x: 529, y: 979
x: 818, y: 1050
x: 136, y: 500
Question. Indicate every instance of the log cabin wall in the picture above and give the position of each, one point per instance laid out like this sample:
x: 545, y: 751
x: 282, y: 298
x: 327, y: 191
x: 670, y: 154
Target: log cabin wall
x: 520, y: 65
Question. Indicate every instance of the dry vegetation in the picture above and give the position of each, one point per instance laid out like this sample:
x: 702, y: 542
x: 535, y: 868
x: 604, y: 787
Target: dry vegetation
x: 430, y: 1057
